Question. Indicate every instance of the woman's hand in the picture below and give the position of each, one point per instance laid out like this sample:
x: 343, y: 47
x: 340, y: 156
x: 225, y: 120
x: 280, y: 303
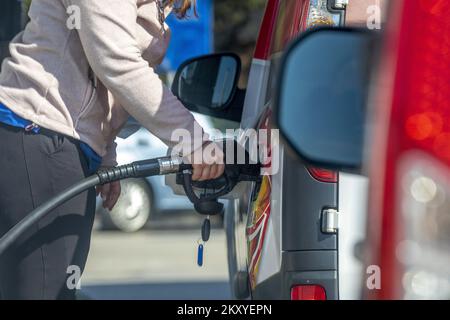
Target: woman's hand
x: 110, y: 193
x: 207, y: 162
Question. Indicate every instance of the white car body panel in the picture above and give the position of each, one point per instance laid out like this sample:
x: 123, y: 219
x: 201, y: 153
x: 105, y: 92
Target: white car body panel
x: 353, y: 196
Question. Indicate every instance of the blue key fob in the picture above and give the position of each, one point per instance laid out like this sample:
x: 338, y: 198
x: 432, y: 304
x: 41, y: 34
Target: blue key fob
x: 200, y: 255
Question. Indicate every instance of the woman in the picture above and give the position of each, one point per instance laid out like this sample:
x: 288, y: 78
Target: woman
x: 76, y: 74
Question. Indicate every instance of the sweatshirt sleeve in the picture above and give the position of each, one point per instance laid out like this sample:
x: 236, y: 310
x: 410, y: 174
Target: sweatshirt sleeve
x: 108, y: 35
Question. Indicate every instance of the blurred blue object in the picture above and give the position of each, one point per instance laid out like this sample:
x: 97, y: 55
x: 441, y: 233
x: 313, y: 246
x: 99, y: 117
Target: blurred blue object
x: 191, y: 37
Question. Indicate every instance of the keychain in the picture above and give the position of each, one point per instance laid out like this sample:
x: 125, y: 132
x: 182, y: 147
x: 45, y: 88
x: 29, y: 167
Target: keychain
x: 206, y: 232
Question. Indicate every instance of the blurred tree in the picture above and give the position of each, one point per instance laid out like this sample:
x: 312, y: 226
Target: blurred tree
x: 27, y: 4
x: 236, y: 27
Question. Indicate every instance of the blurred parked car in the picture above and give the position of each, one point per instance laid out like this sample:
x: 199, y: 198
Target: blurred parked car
x: 142, y: 200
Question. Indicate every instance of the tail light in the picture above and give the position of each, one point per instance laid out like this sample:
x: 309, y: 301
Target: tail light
x: 323, y: 175
x: 310, y: 292
x: 410, y: 231
x: 423, y: 250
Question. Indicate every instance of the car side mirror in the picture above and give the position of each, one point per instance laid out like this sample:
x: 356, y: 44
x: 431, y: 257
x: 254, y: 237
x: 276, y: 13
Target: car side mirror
x: 208, y: 85
x: 320, y: 105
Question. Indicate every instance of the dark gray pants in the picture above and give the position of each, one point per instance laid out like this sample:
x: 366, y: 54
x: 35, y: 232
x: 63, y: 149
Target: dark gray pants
x: 33, y: 168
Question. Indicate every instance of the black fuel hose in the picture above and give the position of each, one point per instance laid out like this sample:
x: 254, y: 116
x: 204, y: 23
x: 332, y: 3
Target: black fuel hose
x: 37, y: 214
x: 146, y: 168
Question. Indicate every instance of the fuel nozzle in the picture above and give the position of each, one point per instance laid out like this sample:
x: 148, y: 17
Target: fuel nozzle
x: 206, y: 200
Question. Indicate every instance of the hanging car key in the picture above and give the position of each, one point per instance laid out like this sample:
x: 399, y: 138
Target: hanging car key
x: 206, y: 232
x: 206, y: 229
x: 206, y: 195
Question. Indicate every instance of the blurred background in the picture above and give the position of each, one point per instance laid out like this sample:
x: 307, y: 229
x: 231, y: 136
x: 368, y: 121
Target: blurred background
x: 146, y: 248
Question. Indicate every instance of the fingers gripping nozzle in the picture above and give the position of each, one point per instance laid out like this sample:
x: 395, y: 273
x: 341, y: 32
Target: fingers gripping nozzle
x: 206, y: 202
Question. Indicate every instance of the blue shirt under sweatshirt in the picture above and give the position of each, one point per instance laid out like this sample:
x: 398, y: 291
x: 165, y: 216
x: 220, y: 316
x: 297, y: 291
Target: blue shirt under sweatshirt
x: 10, y: 118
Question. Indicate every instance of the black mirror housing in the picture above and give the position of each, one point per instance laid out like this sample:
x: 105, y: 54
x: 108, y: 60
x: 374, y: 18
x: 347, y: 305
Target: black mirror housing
x: 208, y: 85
